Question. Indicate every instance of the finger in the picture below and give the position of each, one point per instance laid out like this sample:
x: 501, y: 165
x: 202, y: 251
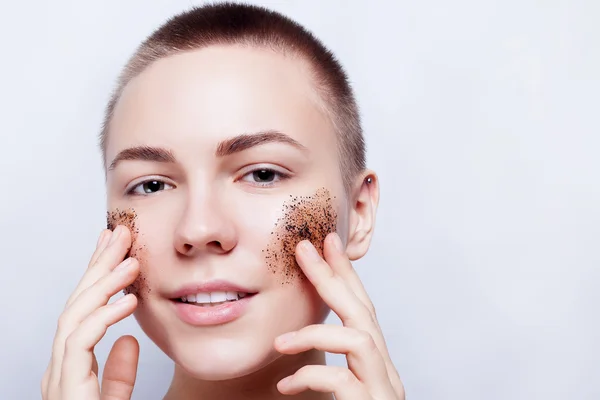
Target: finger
x: 101, y: 291
x: 332, y: 289
x: 100, y: 246
x: 103, y: 241
x: 362, y: 354
x: 89, y: 300
x: 325, y: 379
x: 336, y: 257
x: 78, y: 357
x: 120, y: 371
x: 114, y: 252
x: 336, y: 292
x: 45, y: 380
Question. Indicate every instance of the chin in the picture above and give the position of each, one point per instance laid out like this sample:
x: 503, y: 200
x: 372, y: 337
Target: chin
x: 217, y: 359
x: 219, y: 353
x: 221, y: 363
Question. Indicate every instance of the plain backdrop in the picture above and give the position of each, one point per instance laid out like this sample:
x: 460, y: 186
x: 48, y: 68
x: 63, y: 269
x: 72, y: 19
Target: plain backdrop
x: 482, y: 119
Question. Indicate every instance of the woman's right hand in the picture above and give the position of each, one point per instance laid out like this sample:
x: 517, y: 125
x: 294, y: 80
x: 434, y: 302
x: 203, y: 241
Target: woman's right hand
x: 73, y: 370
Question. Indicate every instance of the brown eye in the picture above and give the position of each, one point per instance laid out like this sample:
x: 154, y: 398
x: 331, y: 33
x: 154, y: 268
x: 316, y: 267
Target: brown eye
x: 149, y: 187
x: 153, y: 186
x: 264, y: 176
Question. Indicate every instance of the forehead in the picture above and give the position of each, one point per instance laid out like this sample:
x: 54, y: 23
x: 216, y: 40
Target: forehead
x: 217, y: 92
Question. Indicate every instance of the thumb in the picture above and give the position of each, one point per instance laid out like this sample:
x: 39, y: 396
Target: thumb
x: 121, y: 369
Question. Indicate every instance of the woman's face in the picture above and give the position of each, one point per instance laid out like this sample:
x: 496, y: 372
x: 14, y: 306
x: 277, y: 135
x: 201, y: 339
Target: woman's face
x: 221, y: 160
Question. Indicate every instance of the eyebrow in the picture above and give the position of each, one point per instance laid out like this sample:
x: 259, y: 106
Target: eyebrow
x: 143, y: 153
x: 246, y: 141
x: 225, y: 148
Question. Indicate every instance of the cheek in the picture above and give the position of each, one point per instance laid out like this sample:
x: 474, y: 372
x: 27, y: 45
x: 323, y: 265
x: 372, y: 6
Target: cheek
x: 297, y: 305
x: 138, y: 250
x: 304, y: 218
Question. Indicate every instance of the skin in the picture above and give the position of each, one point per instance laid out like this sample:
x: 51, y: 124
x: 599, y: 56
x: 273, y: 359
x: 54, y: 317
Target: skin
x: 212, y: 219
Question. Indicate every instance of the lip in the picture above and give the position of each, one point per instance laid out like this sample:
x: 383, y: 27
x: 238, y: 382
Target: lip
x: 210, y: 286
x: 211, y: 315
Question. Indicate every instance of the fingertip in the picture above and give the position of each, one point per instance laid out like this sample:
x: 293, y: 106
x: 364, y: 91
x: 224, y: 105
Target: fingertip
x: 330, y: 247
x: 123, y: 301
x: 120, y: 231
x: 300, y: 245
x: 120, y: 371
x: 132, y: 298
x: 125, y: 306
x: 129, y: 262
x: 127, y: 340
x: 308, y: 250
x: 103, y: 239
x: 299, y: 251
x: 335, y: 242
x: 284, y: 384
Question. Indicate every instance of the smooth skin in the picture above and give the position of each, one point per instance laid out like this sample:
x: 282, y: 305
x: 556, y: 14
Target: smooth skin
x: 73, y: 370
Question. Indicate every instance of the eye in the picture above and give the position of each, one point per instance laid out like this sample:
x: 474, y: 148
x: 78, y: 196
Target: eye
x: 149, y: 187
x: 264, y: 177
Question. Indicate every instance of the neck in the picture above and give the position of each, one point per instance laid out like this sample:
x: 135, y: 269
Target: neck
x: 261, y: 384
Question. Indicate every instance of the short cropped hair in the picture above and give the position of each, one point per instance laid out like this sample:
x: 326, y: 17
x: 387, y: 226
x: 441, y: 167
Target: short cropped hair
x: 249, y: 25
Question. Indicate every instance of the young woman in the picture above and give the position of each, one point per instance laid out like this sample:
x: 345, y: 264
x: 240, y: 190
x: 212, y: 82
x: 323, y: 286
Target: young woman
x: 237, y: 199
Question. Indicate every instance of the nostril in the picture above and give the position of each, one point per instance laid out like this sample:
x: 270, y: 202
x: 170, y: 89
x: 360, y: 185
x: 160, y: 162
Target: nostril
x: 216, y: 246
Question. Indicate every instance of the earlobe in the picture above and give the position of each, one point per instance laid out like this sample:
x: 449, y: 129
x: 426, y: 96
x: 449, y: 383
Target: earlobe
x: 362, y: 215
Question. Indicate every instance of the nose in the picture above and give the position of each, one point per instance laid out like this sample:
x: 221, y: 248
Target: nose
x: 205, y: 227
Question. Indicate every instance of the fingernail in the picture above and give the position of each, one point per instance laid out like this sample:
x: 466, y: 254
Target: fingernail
x: 124, y: 266
x: 285, y: 381
x: 337, y: 243
x: 286, y: 337
x: 103, y: 239
x: 310, y: 251
x: 121, y: 301
x: 115, y: 235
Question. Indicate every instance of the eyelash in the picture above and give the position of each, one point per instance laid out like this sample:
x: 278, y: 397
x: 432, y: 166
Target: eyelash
x: 131, y: 192
x: 280, y: 176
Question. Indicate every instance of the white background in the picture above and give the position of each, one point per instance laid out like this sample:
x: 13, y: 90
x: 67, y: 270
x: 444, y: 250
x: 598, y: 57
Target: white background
x: 482, y: 119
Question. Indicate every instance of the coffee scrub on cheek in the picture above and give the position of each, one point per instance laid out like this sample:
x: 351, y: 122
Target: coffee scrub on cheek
x: 128, y: 218
x: 309, y: 218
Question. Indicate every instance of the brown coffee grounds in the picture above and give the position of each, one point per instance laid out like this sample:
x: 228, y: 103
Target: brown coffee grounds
x: 128, y: 219
x: 305, y: 218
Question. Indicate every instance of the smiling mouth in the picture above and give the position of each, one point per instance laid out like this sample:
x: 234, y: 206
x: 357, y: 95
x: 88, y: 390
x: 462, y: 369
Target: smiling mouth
x: 213, y: 299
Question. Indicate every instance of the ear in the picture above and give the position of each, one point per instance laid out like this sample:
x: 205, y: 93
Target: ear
x: 365, y: 199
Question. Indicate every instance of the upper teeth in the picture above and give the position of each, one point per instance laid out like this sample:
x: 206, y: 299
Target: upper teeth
x: 212, y: 297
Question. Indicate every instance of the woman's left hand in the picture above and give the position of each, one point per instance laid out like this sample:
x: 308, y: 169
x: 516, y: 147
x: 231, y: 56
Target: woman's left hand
x: 370, y: 373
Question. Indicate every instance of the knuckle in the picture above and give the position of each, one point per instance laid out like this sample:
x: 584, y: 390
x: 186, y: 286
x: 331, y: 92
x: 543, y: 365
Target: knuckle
x: 365, y: 341
x: 343, y: 376
x: 372, y: 311
x: 72, y: 342
x: 311, y: 329
x: 305, y: 373
x: 64, y: 321
x: 365, y: 312
x: 337, y: 280
x: 94, y: 261
x: 99, y: 290
x: 95, y: 319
